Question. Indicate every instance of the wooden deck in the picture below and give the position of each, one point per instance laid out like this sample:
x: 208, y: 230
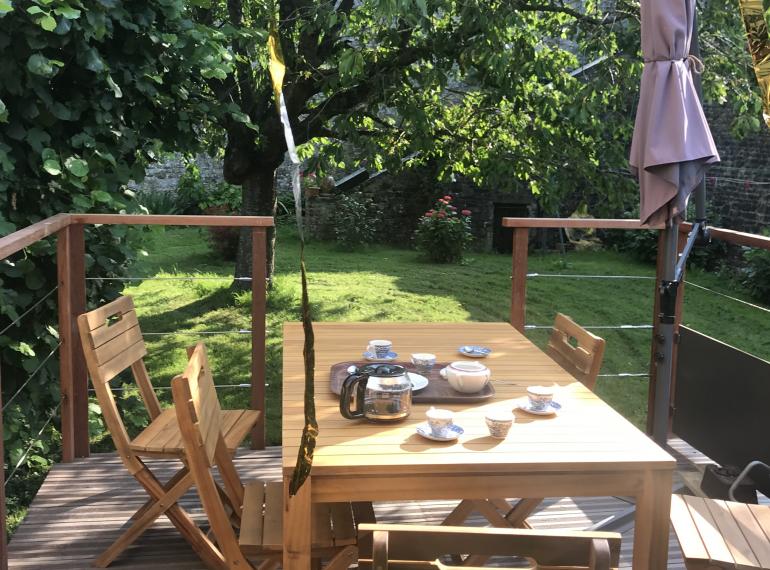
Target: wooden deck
x: 81, y: 506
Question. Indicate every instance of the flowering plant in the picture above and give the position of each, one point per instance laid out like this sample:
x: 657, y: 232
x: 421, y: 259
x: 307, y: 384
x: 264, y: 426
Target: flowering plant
x: 444, y: 233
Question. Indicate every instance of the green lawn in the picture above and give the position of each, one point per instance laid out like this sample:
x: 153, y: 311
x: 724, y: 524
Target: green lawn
x: 386, y: 284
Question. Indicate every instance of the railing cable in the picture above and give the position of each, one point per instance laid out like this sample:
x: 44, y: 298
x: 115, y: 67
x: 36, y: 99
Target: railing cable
x: 736, y: 299
x: 194, y: 333
x: 31, y: 445
x: 30, y: 377
x: 201, y: 278
x: 169, y: 387
x: 595, y: 327
x: 625, y: 375
x: 32, y: 308
x: 577, y: 276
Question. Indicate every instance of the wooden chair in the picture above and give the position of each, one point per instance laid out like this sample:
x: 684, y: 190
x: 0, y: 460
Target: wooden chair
x: 112, y: 343
x: 721, y: 534
x: 407, y: 546
x: 258, y: 507
x: 580, y: 353
x: 576, y: 350
x: 715, y: 533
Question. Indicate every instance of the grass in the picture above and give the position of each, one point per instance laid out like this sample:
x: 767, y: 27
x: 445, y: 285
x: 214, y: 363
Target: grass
x: 386, y: 284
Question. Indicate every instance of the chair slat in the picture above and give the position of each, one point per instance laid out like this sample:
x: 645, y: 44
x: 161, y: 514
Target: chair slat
x: 582, y: 361
x: 342, y: 523
x: 709, y: 531
x: 119, y: 344
x: 253, y: 515
x: 98, y: 317
x: 125, y: 359
x: 273, y: 529
x: 321, y: 525
x: 731, y: 533
x: 686, y: 531
x: 107, y: 332
x: 752, y: 532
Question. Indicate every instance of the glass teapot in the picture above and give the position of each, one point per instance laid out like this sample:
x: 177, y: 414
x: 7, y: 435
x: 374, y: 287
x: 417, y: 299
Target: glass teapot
x: 381, y: 392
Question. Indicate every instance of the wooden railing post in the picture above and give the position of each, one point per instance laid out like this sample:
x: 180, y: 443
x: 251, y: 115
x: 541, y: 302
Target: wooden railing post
x: 519, y: 278
x: 3, y: 542
x: 258, y: 330
x: 70, y: 262
x: 656, y: 346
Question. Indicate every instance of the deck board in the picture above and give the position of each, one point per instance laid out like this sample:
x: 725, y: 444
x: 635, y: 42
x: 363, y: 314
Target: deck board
x: 81, y: 507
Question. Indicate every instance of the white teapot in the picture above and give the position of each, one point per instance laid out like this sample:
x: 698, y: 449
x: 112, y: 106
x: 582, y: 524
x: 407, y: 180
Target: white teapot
x: 467, y: 377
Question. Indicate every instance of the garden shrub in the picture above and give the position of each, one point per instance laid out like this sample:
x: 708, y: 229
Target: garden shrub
x: 756, y: 275
x: 357, y: 220
x: 443, y: 233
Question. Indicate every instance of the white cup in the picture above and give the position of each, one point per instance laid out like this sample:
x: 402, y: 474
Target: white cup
x: 540, y: 397
x: 379, y: 348
x: 439, y: 420
x: 423, y: 362
x: 499, y: 422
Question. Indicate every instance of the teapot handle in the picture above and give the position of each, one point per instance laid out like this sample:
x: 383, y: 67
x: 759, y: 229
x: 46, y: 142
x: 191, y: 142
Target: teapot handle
x: 356, y: 381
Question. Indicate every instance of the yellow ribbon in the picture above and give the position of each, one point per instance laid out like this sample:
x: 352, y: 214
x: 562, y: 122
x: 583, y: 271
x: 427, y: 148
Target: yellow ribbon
x: 753, y: 14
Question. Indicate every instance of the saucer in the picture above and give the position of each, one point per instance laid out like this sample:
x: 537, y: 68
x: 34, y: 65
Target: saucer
x: 552, y: 408
x: 452, y: 433
x: 371, y: 357
x: 418, y: 381
x: 475, y: 351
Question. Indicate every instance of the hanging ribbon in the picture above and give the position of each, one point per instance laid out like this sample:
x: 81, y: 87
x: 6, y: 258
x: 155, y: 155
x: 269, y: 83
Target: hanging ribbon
x: 753, y: 14
x: 310, y: 431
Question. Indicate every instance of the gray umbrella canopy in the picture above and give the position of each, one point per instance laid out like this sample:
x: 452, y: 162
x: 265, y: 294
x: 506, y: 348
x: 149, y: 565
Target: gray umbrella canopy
x: 672, y: 144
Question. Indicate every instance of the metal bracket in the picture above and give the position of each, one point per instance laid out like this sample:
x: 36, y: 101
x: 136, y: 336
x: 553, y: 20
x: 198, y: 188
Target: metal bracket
x: 668, y: 295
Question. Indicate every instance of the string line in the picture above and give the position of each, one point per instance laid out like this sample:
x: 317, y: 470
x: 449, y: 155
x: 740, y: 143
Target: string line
x: 32, y: 308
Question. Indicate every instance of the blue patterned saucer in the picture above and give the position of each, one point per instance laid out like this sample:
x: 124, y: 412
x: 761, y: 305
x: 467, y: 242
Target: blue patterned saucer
x: 371, y: 357
x: 475, y: 351
x: 452, y: 432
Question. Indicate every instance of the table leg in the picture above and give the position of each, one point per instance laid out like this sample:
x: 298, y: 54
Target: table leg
x: 651, y: 524
x: 296, y: 526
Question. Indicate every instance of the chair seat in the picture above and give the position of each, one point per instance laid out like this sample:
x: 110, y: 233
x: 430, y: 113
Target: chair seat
x: 262, y: 520
x: 162, y: 437
x: 721, y: 534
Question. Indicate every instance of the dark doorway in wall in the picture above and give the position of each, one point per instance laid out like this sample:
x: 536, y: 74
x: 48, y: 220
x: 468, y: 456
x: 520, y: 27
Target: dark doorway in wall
x: 502, y: 238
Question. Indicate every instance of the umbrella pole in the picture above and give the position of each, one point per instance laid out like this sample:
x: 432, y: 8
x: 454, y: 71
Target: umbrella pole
x: 667, y: 291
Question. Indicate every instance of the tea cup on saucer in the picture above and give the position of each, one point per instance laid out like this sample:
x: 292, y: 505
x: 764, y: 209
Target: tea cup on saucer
x: 439, y: 420
x: 540, y: 397
x: 379, y: 348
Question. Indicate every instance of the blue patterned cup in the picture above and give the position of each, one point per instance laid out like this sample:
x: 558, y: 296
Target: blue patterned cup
x: 379, y: 348
x: 499, y: 423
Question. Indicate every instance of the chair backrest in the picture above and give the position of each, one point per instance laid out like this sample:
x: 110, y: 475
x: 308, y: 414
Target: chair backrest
x: 112, y: 342
x: 576, y: 350
x: 410, y: 546
x: 199, y: 416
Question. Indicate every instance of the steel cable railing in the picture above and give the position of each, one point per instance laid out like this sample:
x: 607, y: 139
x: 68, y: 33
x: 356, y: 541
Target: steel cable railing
x: 24, y: 456
x: 28, y: 311
x: 30, y: 377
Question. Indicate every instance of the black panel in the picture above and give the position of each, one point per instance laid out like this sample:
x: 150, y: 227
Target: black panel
x: 722, y: 400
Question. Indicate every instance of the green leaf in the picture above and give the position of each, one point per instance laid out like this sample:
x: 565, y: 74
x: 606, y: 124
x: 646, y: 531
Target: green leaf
x: 48, y: 23
x: 6, y: 228
x: 76, y: 166
x: 101, y: 196
x: 23, y: 348
x: 68, y: 12
x: 40, y: 65
x: 52, y: 167
x: 34, y: 10
x: 3, y: 112
x: 5, y: 7
x: 115, y: 88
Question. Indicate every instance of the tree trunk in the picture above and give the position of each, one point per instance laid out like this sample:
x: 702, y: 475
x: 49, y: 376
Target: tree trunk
x: 259, y: 199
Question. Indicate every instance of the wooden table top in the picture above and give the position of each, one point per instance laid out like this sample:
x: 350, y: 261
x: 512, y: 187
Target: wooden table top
x: 586, y: 435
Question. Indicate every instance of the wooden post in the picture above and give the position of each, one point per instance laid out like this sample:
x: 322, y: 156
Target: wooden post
x: 3, y: 542
x: 519, y: 278
x: 70, y: 262
x: 656, y: 347
x: 258, y: 329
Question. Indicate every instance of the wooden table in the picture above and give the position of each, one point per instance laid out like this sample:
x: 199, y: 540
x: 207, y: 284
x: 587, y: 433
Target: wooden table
x: 587, y: 450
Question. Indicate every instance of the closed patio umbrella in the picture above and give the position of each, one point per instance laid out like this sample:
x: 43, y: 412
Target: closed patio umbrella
x: 672, y: 147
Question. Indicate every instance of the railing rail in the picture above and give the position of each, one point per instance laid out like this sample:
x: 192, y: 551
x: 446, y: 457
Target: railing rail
x: 71, y: 290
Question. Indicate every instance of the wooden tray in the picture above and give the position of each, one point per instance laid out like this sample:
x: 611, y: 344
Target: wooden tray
x: 438, y: 390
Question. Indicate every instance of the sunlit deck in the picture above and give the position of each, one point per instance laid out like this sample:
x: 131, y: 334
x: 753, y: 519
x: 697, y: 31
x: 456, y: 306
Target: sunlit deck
x: 81, y: 506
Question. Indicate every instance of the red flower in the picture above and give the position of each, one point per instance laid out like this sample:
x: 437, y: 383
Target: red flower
x: 441, y: 215
x: 448, y: 198
x: 429, y: 213
x: 466, y: 212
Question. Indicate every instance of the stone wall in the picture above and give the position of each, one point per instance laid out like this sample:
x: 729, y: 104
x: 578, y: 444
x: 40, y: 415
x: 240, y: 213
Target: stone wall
x: 406, y: 196
x: 738, y: 188
x: 164, y: 176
